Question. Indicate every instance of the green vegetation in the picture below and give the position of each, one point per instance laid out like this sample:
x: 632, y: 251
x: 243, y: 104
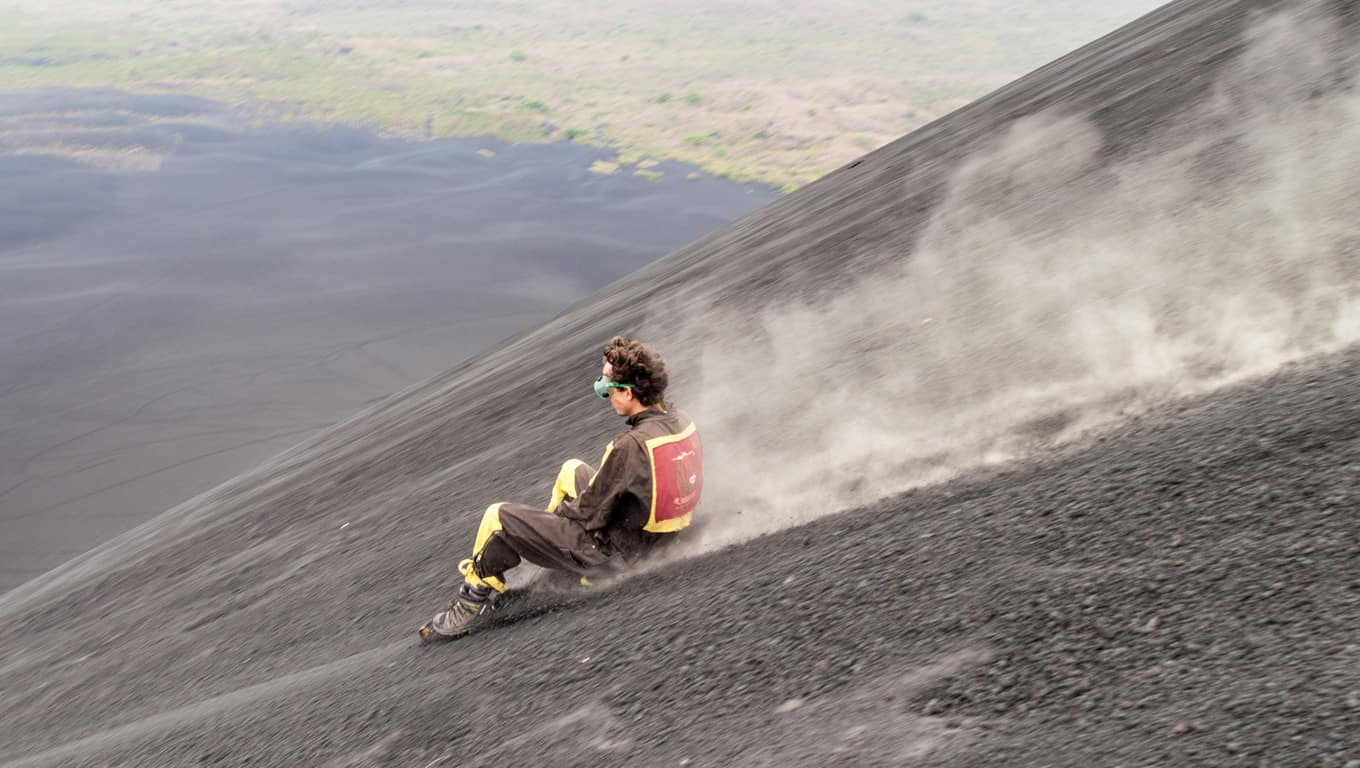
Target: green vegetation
x: 792, y: 96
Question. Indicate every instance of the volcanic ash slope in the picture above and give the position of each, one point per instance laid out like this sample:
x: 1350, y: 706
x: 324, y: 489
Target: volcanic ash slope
x: 1079, y: 358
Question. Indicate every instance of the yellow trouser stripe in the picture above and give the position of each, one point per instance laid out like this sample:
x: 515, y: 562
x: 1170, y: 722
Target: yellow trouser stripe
x: 565, y: 485
x: 491, y: 523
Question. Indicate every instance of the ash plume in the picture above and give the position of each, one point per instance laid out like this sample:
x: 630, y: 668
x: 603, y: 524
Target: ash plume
x: 1052, y: 291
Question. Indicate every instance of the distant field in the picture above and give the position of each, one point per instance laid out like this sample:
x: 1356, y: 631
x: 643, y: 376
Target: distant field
x: 777, y: 91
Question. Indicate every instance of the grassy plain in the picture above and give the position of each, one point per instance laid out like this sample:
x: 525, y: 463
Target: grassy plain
x: 776, y: 91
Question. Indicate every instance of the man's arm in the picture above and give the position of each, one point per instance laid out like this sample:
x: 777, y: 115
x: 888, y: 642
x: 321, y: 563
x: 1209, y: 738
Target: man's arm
x: 618, y: 477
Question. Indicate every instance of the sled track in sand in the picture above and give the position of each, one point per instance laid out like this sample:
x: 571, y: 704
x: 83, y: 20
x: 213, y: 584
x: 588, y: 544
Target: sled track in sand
x: 217, y: 709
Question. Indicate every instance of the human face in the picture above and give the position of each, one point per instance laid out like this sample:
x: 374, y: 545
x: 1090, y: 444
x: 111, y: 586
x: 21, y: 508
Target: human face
x: 621, y: 398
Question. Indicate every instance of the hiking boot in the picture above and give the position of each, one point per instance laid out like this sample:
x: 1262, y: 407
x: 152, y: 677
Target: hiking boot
x: 461, y: 616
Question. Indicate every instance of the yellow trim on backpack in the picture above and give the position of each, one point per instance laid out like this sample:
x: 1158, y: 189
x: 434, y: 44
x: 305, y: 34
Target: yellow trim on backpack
x: 608, y: 449
x: 675, y: 523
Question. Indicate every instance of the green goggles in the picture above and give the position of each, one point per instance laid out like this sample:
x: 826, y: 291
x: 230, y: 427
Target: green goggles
x: 603, y: 385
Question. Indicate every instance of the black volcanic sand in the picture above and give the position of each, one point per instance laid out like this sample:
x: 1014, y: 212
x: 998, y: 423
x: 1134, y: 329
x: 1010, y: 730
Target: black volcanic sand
x: 1182, y: 592
x: 164, y: 330
x: 1182, y: 589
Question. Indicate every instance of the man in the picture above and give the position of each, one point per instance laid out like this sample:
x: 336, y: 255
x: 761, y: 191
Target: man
x: 596, y: 521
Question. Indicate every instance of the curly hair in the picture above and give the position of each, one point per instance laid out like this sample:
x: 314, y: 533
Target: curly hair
x: 638, y: 364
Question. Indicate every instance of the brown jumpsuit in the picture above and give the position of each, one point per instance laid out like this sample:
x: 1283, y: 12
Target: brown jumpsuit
x: 594, y: 522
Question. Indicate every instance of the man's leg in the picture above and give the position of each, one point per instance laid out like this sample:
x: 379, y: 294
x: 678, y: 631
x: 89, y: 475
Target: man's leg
x: 475, y: 591
x: 542, y: 538
x: 572, y: 478
x: 508, y: 534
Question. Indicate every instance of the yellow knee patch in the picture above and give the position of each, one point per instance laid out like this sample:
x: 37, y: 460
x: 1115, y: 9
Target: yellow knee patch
x: 491, y: 523
x: 565, y: 485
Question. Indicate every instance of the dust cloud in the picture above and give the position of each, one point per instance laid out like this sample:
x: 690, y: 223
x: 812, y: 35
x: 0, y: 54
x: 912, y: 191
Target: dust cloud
x: 1052, y: 292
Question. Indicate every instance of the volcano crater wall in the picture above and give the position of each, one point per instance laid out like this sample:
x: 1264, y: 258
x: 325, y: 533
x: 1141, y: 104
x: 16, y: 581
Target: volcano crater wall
x: 1129, y: 560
